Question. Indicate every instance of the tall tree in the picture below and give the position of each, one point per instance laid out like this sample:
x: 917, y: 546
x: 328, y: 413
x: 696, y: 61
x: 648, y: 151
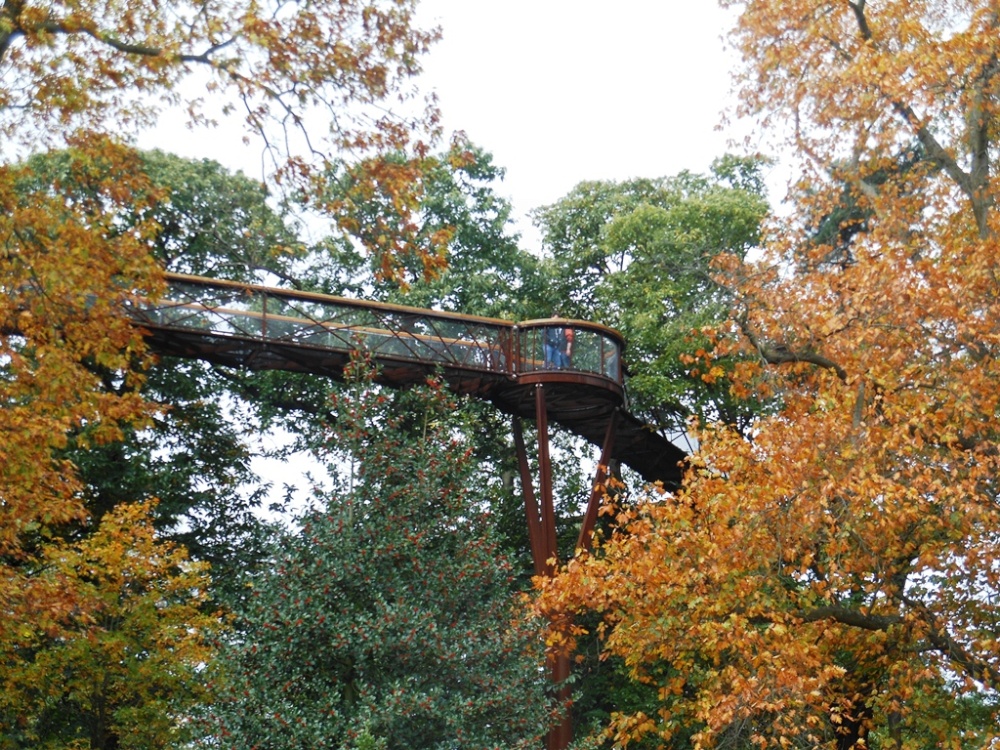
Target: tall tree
x: 71, y: 72
x: 833, y: 581
x: 61, y: 273
x: 390, y: 617
x: 638, y: 256
x: 192, y: 455
x: 488, y: 273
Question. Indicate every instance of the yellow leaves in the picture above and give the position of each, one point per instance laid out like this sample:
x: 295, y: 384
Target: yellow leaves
x: 714, y: 373
x: 65, y: 294
x: 119, y: 629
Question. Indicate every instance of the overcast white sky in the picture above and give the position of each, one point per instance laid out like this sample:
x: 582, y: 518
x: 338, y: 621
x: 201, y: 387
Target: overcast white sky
x: 562, y: 91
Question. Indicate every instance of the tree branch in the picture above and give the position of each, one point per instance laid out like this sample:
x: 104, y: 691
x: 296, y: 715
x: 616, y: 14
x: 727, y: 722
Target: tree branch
x: 970, y: 183
x: 954, y: 651
x: 848, y: 616
x: 777, y: 354
x: 10, y: 29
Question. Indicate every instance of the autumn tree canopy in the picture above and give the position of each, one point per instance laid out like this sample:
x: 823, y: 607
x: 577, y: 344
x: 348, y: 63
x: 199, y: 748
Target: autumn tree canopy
x: 832, y: 581
x: 312, y: 83
x: 122, y: 648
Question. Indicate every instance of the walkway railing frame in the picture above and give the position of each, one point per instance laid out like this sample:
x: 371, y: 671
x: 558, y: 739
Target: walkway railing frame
x: 387, y: 331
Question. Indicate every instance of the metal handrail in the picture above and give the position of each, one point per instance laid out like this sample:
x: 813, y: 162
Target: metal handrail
x: 391, y: 332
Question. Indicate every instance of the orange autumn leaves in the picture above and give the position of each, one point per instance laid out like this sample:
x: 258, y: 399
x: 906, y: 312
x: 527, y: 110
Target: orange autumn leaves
x: 829, y: 579
x: 314, y: 83
x: 68, y: 272
x: 314, y: 86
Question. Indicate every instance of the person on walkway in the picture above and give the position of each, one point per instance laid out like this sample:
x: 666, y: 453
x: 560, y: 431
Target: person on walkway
x: 558, y: 346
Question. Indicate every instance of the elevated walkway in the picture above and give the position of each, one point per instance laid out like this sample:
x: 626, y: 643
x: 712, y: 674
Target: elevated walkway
x: 505, y: 363
x: 262, y: 328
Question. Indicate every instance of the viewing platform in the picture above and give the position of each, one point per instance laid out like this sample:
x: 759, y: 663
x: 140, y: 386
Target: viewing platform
x: 264, y: 328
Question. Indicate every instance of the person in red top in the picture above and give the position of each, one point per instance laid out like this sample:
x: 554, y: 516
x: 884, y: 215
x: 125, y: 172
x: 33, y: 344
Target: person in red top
x: 558, y: 346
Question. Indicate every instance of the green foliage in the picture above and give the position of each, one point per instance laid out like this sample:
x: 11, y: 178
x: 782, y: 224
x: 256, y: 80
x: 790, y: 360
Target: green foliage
x: 107, y: 644
x: 206, y: 220
x: 638, y: 255
x: 483, y: 271
x: 217, y: 223
x: 487, y: 273
x: 390, y: 616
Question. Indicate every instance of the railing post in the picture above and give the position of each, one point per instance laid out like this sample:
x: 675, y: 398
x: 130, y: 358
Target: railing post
x: 513, y: 351
x: 263, y: 316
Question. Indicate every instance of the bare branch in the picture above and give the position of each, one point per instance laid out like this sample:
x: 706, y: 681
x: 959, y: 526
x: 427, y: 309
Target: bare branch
x: 777, y: 354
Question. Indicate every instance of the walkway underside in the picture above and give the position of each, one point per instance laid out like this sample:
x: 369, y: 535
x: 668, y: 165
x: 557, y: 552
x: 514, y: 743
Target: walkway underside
x: 578, y: 402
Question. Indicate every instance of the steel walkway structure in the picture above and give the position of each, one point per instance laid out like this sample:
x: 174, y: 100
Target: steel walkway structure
x: 264, y: 328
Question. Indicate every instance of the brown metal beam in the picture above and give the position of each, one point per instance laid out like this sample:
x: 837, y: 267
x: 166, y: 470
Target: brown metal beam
x: 561, y: 735
x: 536, y: 532
x: 545, y: 480
x: 600, y: 480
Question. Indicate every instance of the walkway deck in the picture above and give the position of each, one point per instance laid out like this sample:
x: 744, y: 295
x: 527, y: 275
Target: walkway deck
x: 265, y: 328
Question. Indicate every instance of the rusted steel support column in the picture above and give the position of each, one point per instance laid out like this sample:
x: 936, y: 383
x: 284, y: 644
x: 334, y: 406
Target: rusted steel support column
x: 536, y: 533
x: 545, y: 478
x: 542, y: 536
x: 600, y: 478
x: 562, y: 733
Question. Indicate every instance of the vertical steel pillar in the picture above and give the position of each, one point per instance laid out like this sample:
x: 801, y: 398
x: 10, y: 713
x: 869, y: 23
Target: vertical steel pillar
x: 542, y: 535
x: 545, y: 479
x: 562, y: 734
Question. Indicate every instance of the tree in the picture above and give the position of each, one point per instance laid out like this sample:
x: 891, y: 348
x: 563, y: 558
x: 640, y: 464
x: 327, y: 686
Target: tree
x: 61, y: 273
x: 106, y: 644
x: 390, y: 615
x: 71, y: 361
x: 638, y: 256
x: 487, y: 274
x: 191, y: 455
x: 73, y: 72
x: 108, y: 67
x: 832, y: 582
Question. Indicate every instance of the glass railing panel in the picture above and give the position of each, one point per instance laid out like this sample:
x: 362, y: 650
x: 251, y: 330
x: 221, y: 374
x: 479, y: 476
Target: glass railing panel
x: 590, y: 349
x: 219, y: 310
x: 388, y: 332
